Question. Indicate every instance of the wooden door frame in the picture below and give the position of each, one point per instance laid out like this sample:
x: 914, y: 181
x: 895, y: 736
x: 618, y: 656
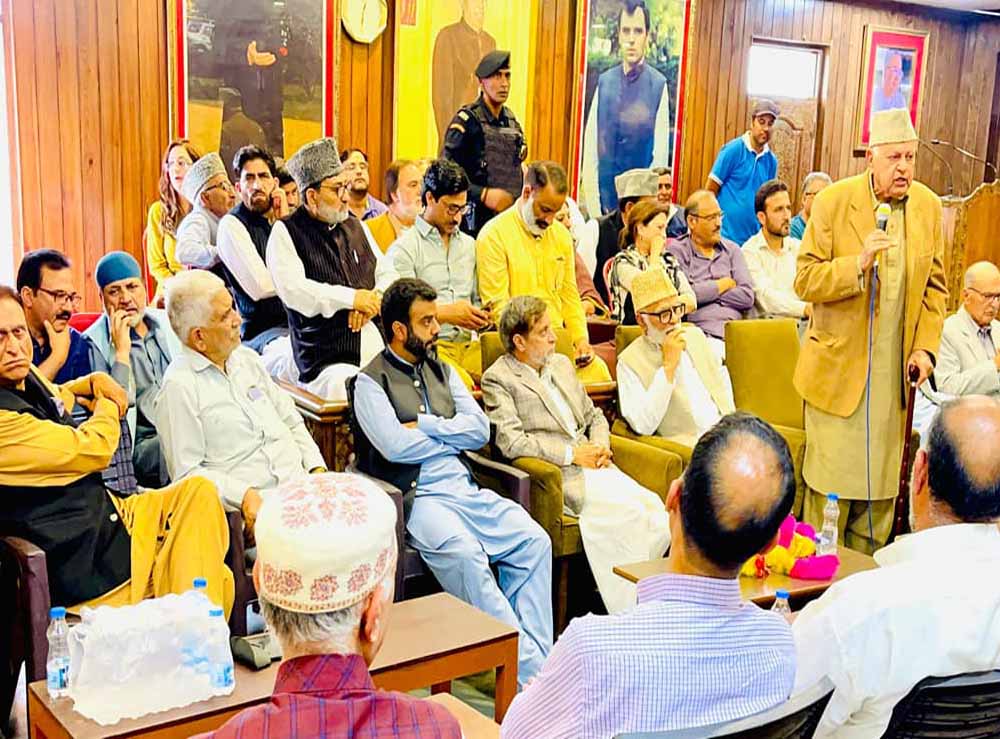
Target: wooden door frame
x: 821, y: 74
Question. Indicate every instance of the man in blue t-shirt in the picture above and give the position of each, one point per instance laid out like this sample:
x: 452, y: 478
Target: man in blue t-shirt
x: 45, y: 283
x: 743, y: 165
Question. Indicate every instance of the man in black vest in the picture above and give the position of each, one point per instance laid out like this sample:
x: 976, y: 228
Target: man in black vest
x: 631, y: 187
x: 323, y: 267
x: 485, y: 139
x: 99, y: 548
x: 412, y: 420
x: 242, y: 244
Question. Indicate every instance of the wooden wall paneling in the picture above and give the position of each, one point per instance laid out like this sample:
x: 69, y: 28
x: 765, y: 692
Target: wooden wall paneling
x: 543, y: 103
x: 132, y: 209
x: 93, y: 188
x: 110, y: 157
x: 19, y: 26
x: 50, y: 164
x: 563, y: 82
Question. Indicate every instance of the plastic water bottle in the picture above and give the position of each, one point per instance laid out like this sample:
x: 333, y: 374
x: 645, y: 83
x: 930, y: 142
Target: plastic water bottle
x: 218, y: 653
x: 781, y: 603
x: 199, y: 586
x: 57, y: 666
x: 831, y: 519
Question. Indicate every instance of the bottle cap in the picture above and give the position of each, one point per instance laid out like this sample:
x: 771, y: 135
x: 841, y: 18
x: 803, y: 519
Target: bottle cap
x: 57, y: 612
x: 200, y: 582
x: 213, y: 612
x: 833, y: 496
x: 781, y: 594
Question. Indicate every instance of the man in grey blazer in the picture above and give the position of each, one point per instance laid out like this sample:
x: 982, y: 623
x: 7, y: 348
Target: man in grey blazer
x: 541, y: 409
x: 968, y: 362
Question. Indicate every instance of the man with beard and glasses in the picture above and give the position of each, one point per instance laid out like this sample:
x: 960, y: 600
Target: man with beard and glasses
x: 436, y: 251
x: 523, y: 252
x: 930, y: 607
x: 413, y: 419
x: 360, y: 202
x: 670, y: 383
x: 219, y: 414
x: 242, y: 241
x: 134, y: 344
x: 771, y: 253
x: 45, y: 286
x: 402, y: 187
x: 742, y: 166
x: 208, y: 189
x: 715, y: 268
x: 323, y: 266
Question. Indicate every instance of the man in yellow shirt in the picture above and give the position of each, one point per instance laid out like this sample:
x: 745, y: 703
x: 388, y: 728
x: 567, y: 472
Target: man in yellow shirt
x: 523, y: 251
x: 100, y: 549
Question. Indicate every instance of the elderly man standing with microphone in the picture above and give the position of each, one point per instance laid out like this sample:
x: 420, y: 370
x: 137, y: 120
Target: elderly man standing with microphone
x: 871, y: 263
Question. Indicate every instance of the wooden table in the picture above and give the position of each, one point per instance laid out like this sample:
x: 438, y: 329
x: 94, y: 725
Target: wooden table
x: 429, y: 641
x: 761, y: 591
x: 474, y: 724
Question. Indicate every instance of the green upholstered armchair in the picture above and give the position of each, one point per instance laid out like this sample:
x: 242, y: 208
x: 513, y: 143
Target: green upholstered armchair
x: 761, y: 356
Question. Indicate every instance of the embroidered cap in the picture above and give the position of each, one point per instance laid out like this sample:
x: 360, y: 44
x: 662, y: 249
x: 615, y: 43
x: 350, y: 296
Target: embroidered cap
x: 200, y: 173
x: 891, y: 127
x: 637, y: 183
x: 314, y: 162
x: 324, y: 542
x: 650, y: 287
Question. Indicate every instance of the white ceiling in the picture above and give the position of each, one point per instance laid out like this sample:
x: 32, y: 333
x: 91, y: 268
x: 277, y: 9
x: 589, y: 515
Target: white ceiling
x: 967, y: 5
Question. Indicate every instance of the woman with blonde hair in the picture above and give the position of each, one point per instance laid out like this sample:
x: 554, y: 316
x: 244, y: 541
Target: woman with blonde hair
x: 643, y: 245
x: 166, y: 213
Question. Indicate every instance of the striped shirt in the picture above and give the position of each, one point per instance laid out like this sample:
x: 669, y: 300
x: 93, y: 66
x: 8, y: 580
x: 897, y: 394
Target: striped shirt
x: 691, y: 653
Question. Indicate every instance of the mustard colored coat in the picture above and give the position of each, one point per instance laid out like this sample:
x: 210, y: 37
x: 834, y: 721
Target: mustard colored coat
x: 833, y: 363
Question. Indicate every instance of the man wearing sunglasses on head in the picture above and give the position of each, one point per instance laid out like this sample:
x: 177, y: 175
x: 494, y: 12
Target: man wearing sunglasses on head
x: 669, y: 382
x: 437, y: 252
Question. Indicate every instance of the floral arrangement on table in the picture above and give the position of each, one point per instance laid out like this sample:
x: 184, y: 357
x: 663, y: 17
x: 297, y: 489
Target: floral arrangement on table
x: 793, y: 555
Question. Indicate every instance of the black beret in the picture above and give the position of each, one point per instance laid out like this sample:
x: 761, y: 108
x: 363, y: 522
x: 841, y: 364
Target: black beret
x: 492, y: 63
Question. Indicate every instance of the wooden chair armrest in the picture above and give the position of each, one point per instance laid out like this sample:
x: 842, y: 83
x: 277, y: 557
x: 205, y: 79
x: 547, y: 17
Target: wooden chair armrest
x: 34, y: 601
x: 397, y: 498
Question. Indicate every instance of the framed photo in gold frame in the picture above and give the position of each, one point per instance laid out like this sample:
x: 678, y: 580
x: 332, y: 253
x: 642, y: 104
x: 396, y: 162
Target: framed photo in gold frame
x: 892, y: 75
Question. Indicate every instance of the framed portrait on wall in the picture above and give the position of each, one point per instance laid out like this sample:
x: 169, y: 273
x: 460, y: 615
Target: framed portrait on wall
x: 892, y: 75
x: 629, y: 96
x: 438, y: 45
x: 251, y: 72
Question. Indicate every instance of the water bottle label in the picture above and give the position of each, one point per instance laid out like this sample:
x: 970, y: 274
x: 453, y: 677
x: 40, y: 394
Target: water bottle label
x: 222, y: 676
x: 57, y: 678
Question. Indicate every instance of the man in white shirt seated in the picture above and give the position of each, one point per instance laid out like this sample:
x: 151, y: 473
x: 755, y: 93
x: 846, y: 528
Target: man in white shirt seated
x: 207, y: 187
x: 541, y: 409
x: 771, y: 253
x: 933, y: 606
x: 967, y: 361
x: 219, y: 414
x: 670, y: 382
x: 323, y: 265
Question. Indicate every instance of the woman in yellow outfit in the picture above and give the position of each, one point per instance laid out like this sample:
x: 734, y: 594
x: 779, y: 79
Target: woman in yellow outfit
x: 166, y: 213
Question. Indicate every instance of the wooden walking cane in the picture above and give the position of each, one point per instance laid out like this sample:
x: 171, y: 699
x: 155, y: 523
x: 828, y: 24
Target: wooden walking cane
x: 902, y: 515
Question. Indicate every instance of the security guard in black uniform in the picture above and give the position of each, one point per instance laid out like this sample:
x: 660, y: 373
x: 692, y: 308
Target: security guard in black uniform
x: 486, y: 140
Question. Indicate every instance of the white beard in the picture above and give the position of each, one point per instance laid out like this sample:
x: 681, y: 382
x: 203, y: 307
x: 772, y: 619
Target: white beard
x: 134, y: 321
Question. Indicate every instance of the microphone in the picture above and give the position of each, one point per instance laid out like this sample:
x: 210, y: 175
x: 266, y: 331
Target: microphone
x: 882, y: 214
x: 968, y: 154
x: 945, y: 162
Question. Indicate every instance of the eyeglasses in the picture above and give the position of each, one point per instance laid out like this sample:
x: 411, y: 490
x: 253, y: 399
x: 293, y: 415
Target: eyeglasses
x: 224, y: 185
x: 454, y: 210
x: 60, y: 296
x: 989, y: 297
x: 668, y: 314
x: 339, y: 189
x: 710, y: 217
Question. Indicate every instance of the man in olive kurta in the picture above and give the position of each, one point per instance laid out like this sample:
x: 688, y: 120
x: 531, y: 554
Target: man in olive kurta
x: 853, y: 446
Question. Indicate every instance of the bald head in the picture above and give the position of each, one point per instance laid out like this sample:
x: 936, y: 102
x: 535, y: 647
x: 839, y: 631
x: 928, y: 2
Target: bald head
x: 981, y: 292
x: 737, y: 490
x: 701, y: 202
x: 963, y: 459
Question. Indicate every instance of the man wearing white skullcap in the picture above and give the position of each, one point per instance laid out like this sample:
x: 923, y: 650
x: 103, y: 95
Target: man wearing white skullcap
x: 207, y: 187
x: 323, y: 261
x: 872, y: 264
x: 326, y: 563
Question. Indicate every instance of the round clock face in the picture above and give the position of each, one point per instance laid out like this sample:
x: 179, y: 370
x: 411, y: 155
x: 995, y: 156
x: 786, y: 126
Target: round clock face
x: 364, y: 20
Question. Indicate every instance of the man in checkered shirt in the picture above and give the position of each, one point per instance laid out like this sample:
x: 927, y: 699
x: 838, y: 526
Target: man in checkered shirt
x: 691, y: 653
